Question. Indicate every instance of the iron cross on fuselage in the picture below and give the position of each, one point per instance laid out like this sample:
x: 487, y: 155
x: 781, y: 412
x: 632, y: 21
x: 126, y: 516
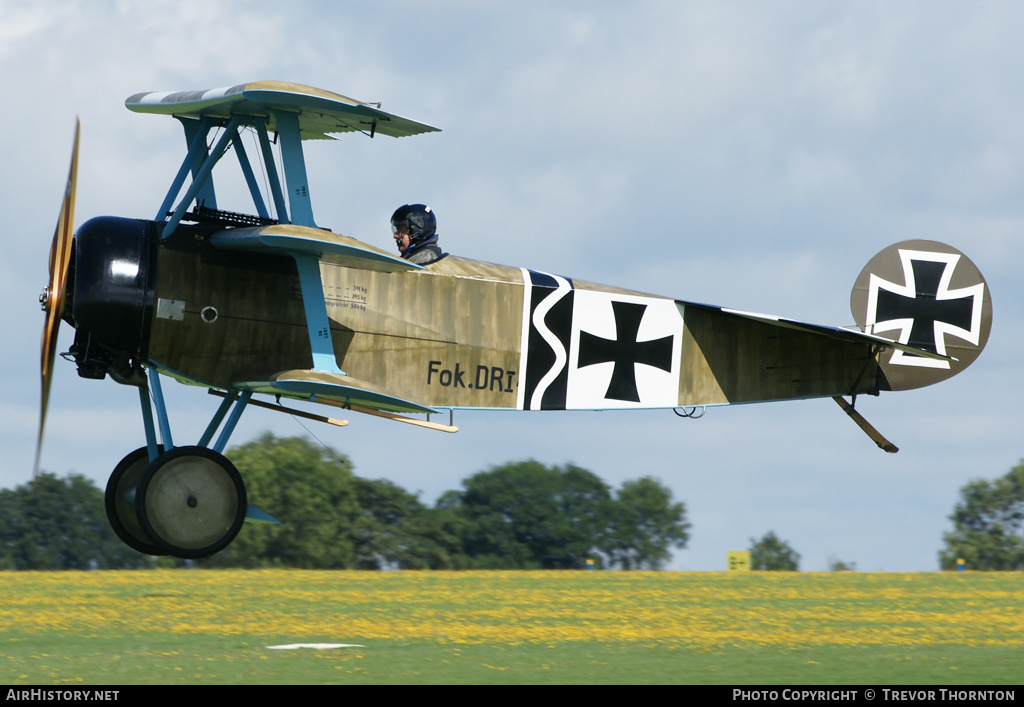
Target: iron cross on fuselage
x: 625, y: 351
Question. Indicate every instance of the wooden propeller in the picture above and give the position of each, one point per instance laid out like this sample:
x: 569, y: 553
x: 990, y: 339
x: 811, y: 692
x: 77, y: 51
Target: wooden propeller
x: 54, y: 296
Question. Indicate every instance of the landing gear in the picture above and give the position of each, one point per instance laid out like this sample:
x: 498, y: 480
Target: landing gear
x: 191, y: 502
x: 120, y: 504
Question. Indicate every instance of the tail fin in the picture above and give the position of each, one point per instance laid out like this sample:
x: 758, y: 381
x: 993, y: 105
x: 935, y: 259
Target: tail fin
x: 928, y: 295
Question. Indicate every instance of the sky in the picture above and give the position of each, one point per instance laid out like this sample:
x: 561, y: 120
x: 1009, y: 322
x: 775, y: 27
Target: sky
x: 749, y: 154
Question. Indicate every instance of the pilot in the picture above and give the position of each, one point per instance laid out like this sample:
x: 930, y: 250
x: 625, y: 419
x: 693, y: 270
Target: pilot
x: 415, y: 229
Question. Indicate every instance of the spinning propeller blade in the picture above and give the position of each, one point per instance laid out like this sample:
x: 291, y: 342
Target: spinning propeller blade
x: 53, y: 297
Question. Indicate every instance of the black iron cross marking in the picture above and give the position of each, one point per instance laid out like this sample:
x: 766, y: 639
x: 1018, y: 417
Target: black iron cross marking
x: 625, y: 351
x: 925, y: 308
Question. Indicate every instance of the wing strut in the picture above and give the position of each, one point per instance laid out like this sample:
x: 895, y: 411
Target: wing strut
x: 870, y: 431
x: 199, y: 181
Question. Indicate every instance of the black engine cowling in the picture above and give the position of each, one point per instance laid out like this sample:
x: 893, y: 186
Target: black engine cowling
x: 111, y: 295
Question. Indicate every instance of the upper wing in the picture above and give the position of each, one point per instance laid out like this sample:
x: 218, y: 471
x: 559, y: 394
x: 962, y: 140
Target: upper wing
x: 321, y: 113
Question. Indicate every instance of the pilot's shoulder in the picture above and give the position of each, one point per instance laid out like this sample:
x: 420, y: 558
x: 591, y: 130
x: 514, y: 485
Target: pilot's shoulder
x: 426, y: 255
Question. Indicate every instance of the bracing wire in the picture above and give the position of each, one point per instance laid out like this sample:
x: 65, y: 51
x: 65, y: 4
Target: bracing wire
x: 267, y: 196
x: 333, y: 453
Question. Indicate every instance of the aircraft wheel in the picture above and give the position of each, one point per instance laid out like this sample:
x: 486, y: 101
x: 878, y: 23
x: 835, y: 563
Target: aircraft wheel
x: 120, y: 510
x: 192, y: 502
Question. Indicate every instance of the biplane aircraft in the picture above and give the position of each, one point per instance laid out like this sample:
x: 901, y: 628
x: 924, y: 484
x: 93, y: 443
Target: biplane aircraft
x: 251, y: 305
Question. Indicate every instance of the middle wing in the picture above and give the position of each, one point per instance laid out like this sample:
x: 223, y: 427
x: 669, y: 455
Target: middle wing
x: 323, y: 245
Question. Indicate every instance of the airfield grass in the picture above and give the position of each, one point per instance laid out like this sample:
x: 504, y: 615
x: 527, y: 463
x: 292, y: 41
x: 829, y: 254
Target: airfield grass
x: 214, y: 627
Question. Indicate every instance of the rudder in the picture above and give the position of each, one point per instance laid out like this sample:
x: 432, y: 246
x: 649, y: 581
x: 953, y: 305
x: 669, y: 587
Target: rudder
x: 928, y: 295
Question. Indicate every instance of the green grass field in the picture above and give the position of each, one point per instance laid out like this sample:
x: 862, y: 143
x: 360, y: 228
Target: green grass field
x: 213, y: 627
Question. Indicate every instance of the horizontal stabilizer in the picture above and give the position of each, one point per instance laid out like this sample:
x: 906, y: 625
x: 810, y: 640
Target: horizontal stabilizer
x: 839, y: 333
x: 328, y: 247
x: 320, y: 113
x: 310, y: 385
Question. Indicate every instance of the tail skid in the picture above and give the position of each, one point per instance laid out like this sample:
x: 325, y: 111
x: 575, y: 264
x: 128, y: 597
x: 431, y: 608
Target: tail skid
x: 869, y: 430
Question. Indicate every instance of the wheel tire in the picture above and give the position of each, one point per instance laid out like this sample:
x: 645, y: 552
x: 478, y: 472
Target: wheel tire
x: 192, y: 502
x: 121, y: 513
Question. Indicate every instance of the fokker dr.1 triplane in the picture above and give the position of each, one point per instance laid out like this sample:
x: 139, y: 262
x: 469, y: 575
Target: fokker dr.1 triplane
x: 269, y: 303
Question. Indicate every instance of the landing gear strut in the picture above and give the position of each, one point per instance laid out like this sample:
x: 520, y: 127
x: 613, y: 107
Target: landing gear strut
x: 188, y: 502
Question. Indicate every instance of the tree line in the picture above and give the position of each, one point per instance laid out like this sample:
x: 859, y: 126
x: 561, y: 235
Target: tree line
x: 522, y: 515
x: 987, y: 534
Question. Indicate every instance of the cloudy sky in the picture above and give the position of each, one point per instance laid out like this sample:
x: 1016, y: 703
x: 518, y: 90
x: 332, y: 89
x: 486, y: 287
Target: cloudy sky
x: 749, y: 154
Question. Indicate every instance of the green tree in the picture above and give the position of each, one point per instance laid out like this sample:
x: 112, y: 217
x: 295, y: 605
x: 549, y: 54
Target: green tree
x: 394, y: 529
x: 988, y: 525
x: 311, y: 490
x: 645, y: 524
x: 771, y: 553
x: 59, y: 524
x: 527, y: 515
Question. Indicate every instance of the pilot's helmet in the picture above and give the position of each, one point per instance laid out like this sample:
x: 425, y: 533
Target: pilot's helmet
x: 418, y: 219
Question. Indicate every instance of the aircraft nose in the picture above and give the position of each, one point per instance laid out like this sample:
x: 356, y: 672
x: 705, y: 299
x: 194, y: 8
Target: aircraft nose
x: 114, y: 276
